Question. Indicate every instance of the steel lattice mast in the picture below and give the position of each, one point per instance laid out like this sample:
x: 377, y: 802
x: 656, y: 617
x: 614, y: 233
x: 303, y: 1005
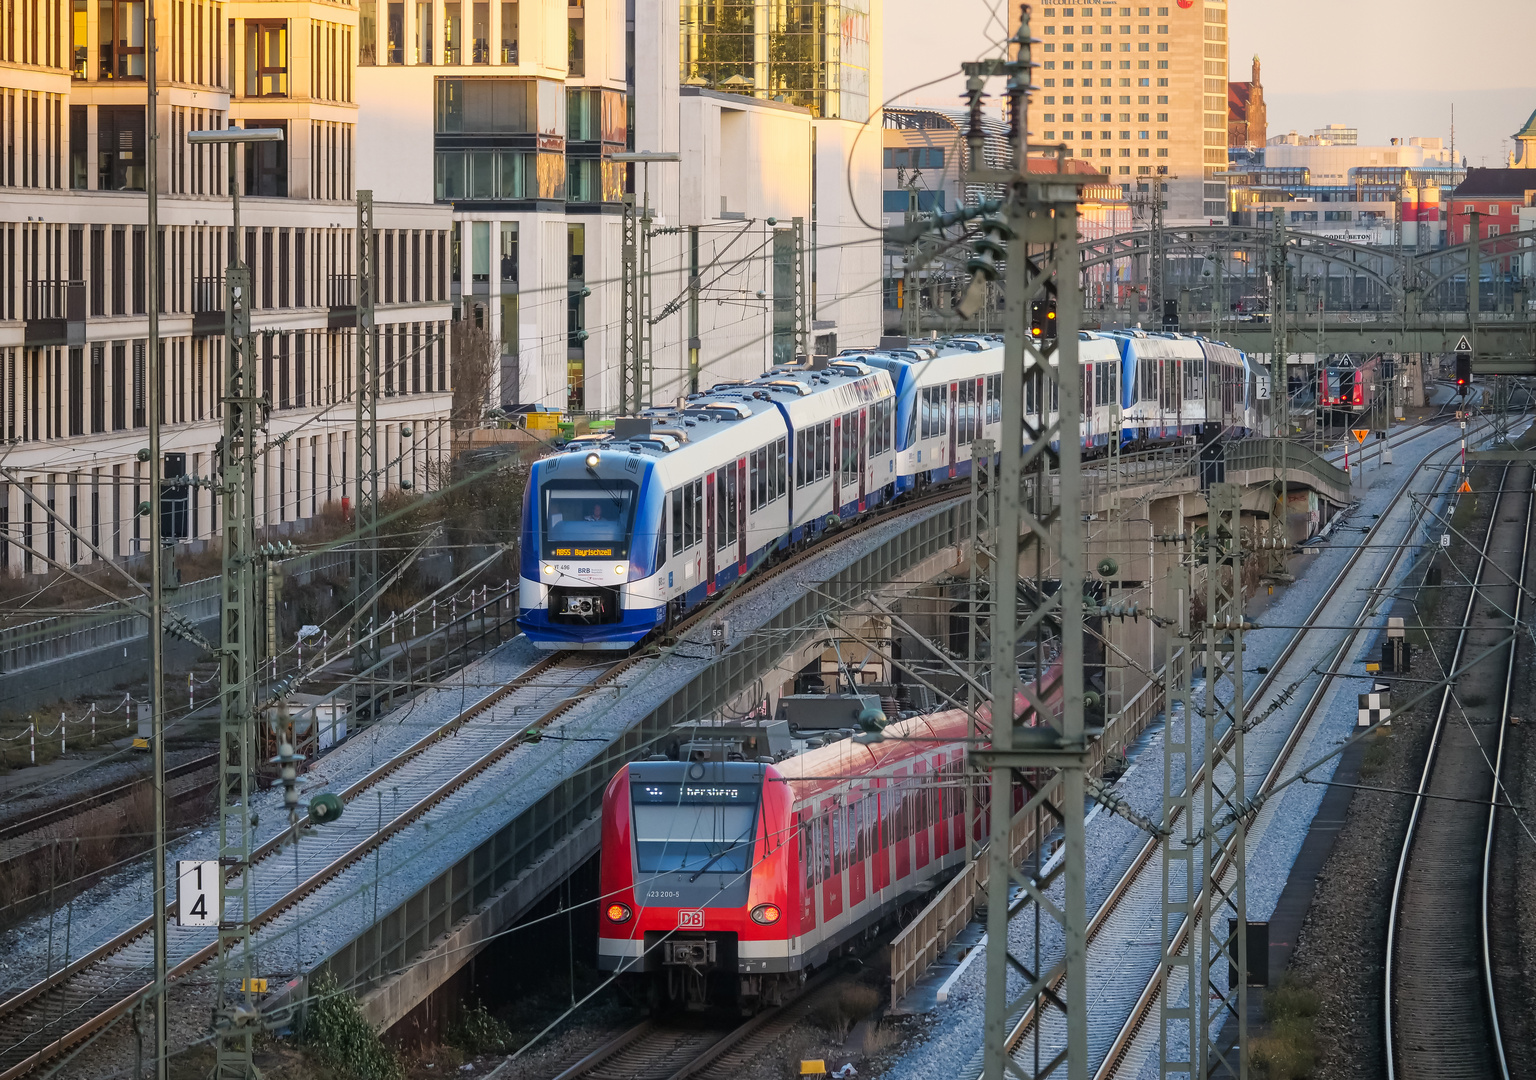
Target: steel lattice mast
x: 1041, y: 215
x: 365, y: 445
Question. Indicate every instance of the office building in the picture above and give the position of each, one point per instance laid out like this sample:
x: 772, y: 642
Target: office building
x: 73, y: 289
x: 511, y: 113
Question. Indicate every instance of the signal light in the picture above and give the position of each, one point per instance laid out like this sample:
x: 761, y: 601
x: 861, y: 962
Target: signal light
x: 1463, y: 370
x: 766, y: 914
x: 619, y: 913
x: 1042, y: 323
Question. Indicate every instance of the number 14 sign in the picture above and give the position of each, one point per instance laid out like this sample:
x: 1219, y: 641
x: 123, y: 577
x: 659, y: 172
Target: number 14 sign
x: 198, y: 899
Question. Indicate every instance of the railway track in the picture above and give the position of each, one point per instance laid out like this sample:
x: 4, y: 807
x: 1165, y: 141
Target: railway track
x: 1122, y: 906
x: 69, y: 1005
x: 682, y: 1050
x: 1441, y: 1000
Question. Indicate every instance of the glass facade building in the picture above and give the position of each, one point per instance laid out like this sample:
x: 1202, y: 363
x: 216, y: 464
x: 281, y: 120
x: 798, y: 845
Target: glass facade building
x: 812, y: 54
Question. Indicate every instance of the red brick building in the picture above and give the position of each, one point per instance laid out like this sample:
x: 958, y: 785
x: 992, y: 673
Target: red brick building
x: 1495, y: 194
x: 1247, y: 122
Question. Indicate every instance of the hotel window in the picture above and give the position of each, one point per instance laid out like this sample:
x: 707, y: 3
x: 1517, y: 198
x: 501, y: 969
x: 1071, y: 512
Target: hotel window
x: 122, y: 39
x: 266, y: 59
x: 1162, y: 118
x: 1162, y: 134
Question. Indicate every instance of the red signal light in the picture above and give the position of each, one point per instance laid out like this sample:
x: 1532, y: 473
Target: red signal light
x: 618, y: 913
x: 766, y: 914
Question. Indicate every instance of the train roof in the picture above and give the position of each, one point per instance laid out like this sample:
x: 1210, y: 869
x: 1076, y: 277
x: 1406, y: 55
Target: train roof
x: 751, y: 411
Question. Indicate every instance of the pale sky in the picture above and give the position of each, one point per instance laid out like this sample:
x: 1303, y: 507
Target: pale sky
x: 1388, y: 67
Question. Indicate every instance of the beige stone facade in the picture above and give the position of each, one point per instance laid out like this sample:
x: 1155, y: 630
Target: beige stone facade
x: 1155, y: 103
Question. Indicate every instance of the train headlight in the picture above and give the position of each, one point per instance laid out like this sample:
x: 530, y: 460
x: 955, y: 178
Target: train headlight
x: 766, y: 914
x: 620, y: 569
x: 592, y: 460
x: 549, y: 568
x: 619, y: 913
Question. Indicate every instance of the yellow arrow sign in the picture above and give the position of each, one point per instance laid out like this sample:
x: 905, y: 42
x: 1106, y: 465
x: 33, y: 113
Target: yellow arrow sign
x: 1360, y: 434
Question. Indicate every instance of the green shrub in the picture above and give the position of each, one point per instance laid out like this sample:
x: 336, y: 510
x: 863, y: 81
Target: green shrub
x: 476, y: 1031
x: 341, y: 1038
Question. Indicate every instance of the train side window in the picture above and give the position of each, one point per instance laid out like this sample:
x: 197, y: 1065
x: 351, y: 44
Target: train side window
x: 778, y: 470
x: 807, y: 853
x: 720, y: 515
x: 824, y: 846
x: 676, y: 499
x: 661, y: 539
x: 800, y: 459
x: 731, y: 495
x: 760, y: 484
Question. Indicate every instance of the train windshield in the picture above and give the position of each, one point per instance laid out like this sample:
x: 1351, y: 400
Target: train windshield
x: 694, y: 827
x: 587, y: 519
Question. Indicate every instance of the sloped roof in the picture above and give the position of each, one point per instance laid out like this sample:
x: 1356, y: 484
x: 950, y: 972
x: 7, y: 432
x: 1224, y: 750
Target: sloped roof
x: 1497, y: 183
x: 1530, y: 127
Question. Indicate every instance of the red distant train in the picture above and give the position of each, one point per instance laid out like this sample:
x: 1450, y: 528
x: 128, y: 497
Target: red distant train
x: 729, y: 880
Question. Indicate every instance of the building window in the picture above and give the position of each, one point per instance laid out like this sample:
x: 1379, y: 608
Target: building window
x: 367, y: 33
x: 509, y: 33
x: 266, y: 164
x: 576, y: 44
x: 507, y: 106
x: 121, y: 27
x: 452, y: 26
x: 79, y: 151
x: 480, y: 36
x: 1303, y: 215
x: 120, y: 147
x: 78, y: 27
x: 1336, y: 215
x: 1162, y: 134
x: 575, y: 319
x: 509, y: 253
x: 266, y: 59
x: 394, y: 32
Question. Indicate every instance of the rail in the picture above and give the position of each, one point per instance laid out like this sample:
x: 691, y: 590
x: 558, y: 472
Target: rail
x: 923, y: 940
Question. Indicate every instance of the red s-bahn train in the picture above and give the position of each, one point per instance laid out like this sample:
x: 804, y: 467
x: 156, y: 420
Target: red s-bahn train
x: 730, y: 880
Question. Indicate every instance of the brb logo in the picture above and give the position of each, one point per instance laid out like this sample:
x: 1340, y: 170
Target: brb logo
x: 691, y: 920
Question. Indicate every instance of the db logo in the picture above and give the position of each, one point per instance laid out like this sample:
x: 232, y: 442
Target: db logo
x: 690, y: 920
x: 1186, y: 3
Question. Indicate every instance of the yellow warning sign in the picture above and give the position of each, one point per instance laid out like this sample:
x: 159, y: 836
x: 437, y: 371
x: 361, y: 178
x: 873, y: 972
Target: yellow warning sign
x: 1465, y: 489
x: 1360, y: 434
x: 254, y: 986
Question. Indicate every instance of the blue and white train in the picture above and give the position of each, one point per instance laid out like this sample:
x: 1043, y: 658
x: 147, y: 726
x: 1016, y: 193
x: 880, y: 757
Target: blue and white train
x: 625, y: 535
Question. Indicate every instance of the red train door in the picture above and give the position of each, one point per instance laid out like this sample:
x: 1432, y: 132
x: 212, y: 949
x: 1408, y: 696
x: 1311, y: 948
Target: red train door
x: 709, y: 534
x: 742, y: 495
x: 901, y: 815
x: 863, y: 458
x: 880, y: 839
x: 920, y: 818
x: 954, y: 427
x: 832, y: 862
x: 837, y: 464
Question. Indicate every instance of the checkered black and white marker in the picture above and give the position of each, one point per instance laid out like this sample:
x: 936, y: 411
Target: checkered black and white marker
x: 1375, y: 707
